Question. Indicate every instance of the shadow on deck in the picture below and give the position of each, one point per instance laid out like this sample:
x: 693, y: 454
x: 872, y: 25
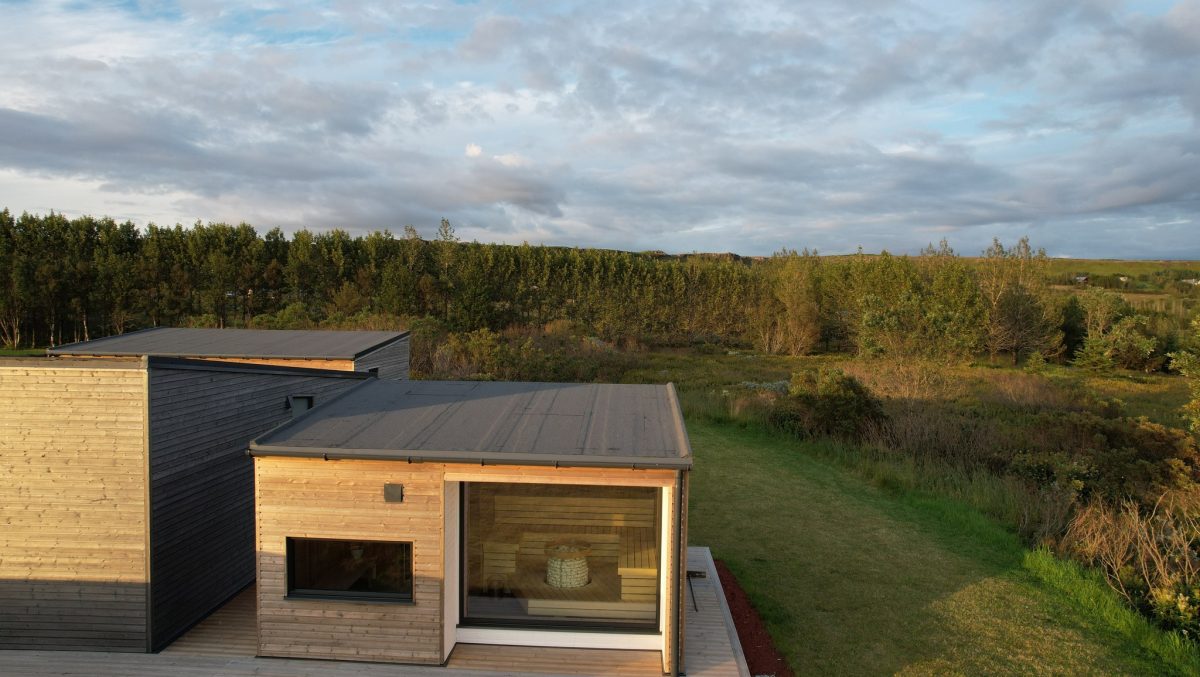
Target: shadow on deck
x: 224, y: 644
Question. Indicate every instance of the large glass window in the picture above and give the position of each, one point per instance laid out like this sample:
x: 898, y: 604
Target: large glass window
x: 561, y: 555
x: 350, y: 569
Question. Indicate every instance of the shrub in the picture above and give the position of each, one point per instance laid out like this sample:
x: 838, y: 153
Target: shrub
x: 1117, y: 458
x: 910, y: 379
x: 1151, y: 556
x: 826, y: 401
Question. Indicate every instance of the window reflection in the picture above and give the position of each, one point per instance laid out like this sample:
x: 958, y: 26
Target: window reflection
x: 562, y: 555
x: 358, y: 569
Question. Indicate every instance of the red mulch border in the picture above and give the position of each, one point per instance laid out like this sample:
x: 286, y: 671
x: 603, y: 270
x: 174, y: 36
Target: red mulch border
x: 761, y: 655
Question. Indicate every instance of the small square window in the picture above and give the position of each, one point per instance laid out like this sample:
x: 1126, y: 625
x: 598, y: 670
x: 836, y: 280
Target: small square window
x: 354, y: 570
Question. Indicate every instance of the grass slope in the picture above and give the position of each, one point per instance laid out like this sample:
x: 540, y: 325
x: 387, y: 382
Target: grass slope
x: 853, y: 579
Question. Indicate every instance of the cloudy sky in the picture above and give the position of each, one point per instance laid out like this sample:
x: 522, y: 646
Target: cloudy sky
x: 681, y: 126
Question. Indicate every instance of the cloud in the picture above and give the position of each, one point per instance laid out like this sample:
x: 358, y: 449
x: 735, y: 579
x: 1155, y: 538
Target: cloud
x: 745, y: 126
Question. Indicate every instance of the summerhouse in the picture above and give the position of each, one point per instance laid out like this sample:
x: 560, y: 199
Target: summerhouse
x: 403, y: 518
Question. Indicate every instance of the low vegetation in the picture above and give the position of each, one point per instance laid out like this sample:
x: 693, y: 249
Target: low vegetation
x: 1058, y: 399
x: 858, y: 579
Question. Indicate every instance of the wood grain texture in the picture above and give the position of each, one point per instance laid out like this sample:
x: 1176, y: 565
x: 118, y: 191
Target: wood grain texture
x: 72, y: 507
x: 311, y: 498
x: 335, y: 365
x: 202, y: 483
x: 712, y: 651
x: 391, y: 360
x: 343, y: 499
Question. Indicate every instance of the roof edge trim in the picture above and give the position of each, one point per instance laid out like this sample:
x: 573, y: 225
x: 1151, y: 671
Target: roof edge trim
x: 214, y: 364
x: 380, y: 346
x: 471, y: 457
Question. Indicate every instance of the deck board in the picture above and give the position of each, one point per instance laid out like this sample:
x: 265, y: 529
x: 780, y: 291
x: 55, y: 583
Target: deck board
x: 218, y: 647
x: 229, y: 631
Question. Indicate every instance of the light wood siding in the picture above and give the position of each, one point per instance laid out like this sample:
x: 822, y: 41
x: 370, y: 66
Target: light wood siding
x: 676, y: 593
x: 202, y: 484
x: 335, y: 365
x: 391, y: 360
x: 72, y: 508
x: 310, y: 498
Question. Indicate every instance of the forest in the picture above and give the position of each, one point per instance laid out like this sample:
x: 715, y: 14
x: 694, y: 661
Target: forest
x: 66, y: 280
x: 1054, y: 399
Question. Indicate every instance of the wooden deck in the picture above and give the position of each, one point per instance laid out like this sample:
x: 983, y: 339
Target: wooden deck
x: 223, y: 646
x: 230, y: 631
x: 525, y: 660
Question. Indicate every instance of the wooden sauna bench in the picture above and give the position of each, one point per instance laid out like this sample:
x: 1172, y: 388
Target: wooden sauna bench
x: 620, y: 531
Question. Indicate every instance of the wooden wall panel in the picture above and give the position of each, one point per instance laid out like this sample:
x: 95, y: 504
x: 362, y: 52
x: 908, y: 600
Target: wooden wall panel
x: 335, y: 365
x: 72, y: 507
x: 311, y: 498
x: 391, y: 360
x: 202, y: 483
x: 544, y: 474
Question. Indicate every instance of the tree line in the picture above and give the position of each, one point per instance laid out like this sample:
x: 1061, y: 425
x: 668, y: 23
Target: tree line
x: 64, y: 280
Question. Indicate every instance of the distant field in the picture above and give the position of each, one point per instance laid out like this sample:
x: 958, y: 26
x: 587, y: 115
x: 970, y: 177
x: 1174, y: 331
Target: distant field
x: 1130, y: 267
x: 1117, y: 267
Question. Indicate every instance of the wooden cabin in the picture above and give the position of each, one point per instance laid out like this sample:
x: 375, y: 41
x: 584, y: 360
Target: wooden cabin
x: 407, y: 517
x: 386, y: 353
x: 126, y: 505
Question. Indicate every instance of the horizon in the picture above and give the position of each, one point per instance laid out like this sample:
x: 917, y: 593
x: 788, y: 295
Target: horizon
x: 398, y: 233
x: 738, y: 127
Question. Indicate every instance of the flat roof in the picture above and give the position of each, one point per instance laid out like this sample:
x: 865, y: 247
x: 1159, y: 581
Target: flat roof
x: 576, y: 424
x: 298, y: 344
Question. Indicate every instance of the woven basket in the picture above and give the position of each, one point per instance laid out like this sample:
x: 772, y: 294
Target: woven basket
x: 566, y: 564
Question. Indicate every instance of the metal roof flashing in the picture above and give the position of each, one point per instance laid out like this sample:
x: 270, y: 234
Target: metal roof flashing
x: 491, y: 423
x: 286, y: 344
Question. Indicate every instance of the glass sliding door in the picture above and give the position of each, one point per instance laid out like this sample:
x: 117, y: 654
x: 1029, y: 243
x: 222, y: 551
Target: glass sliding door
x: 561, y: 555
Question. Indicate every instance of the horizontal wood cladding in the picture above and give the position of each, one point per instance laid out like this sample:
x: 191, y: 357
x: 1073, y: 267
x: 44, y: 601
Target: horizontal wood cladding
x: 623, y: 477
x: 202, y: 484
x: 72, y: 508
x: 343, y: 499
x: 336, y: 365
x: 311, y: 498
x: 391, y: 360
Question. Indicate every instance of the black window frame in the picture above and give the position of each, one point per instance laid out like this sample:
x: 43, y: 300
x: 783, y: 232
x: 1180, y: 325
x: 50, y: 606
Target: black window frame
x: 292, y: 592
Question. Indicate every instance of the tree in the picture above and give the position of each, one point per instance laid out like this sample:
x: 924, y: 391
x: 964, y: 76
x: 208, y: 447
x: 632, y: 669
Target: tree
x: 1101, y: 310
x: 798, y: 291
x: 13, y: 281
x: 1019, y: 315
x: 1188, y: 364
x: 1130, y: 346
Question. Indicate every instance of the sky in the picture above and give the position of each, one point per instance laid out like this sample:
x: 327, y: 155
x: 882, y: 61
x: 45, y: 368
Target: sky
x: 679, y: 126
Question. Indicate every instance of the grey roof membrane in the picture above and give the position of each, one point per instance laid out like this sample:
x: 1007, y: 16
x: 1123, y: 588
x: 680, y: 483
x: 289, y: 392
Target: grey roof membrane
x: 503, y: 422
x: 249, y: 343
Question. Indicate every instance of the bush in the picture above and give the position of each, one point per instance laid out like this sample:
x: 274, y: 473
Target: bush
x: 1151, y: 556
x: 1118, y: 458
x: 829, y: 402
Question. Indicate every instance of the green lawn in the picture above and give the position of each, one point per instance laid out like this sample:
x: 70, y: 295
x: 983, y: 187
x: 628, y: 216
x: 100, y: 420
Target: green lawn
x: 852, y: 579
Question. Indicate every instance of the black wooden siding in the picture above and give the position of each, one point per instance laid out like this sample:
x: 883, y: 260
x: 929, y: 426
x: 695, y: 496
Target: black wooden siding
x: 391, y: 360
x: 202, y: 484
